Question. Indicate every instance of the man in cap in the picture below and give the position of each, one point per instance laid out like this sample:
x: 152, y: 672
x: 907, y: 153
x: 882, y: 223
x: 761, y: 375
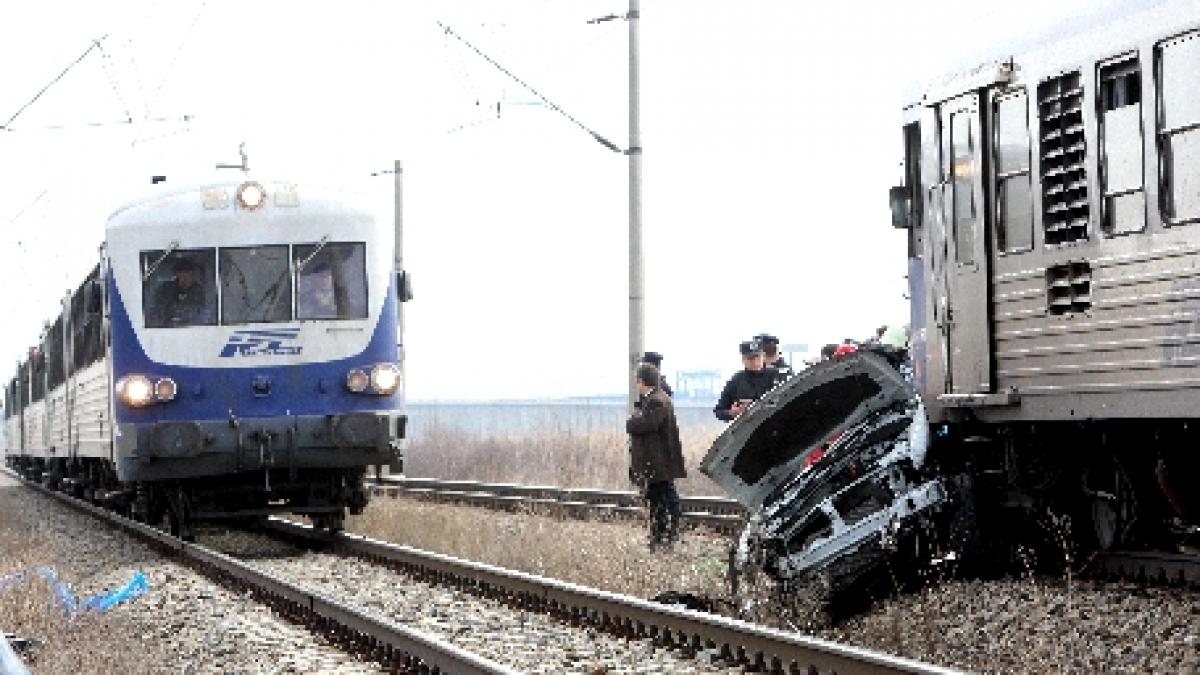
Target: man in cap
x: 656, y: 456
x: 747, y: 385
x: 181, y: 301
x: 655, y: 359
x: 771, y: 357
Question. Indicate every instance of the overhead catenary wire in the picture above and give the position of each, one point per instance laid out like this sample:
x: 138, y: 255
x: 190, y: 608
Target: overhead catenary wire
x: 550, y: 104
x: 89, y: 125
x: 95, y: 44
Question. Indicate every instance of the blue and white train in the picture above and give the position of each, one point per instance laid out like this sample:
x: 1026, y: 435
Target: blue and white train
x: 235, y: 353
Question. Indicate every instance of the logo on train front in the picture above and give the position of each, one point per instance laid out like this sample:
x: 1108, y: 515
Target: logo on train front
x: 274, y: 342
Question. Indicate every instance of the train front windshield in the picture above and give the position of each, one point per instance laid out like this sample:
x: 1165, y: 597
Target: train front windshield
x: 257, y: 284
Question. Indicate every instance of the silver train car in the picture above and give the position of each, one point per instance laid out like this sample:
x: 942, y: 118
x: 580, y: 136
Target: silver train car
x: 1052, y: 205
x: 235, y: 353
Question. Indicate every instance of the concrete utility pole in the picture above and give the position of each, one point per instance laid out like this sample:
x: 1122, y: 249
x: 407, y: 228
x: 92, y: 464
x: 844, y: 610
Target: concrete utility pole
x: 637, y: 292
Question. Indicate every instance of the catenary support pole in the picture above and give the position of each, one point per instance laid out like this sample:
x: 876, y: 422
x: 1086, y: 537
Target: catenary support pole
x: 636, y: 263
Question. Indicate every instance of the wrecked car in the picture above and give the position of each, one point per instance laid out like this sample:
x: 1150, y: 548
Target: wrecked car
x: 829, y: 465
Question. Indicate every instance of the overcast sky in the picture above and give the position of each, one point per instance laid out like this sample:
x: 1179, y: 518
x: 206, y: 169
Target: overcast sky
x: 771, y: 134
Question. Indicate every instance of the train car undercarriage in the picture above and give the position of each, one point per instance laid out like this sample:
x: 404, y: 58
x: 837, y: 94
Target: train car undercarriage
x: 323, y: 495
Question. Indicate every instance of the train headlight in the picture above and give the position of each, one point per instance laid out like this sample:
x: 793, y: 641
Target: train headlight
x: 165, y: 389
x: 135, y: 390
x: 251, y: 195
x: 385, y: 378
x: 357, y: 381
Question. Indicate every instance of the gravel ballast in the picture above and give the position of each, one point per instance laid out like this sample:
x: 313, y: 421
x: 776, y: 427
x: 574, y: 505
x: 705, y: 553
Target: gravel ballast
x: 183, y: 624
x: 1034, y: 624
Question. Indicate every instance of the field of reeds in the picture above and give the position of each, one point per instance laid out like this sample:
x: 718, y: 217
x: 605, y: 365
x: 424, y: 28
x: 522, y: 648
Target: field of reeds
x: 554, y: 454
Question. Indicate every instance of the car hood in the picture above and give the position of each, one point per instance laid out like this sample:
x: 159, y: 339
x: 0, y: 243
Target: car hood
x: 769, y: 443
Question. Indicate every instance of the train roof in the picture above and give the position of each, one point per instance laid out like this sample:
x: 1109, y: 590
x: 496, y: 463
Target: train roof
x: 1111, y: 27
x: 165, y: 194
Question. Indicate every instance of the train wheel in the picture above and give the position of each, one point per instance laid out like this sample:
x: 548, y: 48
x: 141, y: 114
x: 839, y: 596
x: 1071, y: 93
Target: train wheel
x: 179, y: 509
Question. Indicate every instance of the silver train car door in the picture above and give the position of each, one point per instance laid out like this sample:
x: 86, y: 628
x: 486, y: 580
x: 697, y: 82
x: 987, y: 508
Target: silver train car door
x: 963, y: 313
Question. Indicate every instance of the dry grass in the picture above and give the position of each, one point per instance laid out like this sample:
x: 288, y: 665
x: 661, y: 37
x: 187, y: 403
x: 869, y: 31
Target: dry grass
x: 607, y: 555
x: 87, y: 643
x: 591, y: 458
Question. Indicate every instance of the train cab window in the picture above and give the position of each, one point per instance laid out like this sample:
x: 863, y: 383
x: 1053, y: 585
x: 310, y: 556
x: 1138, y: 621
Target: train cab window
x: 256, y: 286
x: 331, y: 281
x: 1178, y: 61
x: 178, y: 288
x: 1014, y: 201
x: 1119, y: 111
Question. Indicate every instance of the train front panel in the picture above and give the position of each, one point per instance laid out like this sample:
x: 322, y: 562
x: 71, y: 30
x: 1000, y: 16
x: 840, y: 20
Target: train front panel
x: 253, y: 327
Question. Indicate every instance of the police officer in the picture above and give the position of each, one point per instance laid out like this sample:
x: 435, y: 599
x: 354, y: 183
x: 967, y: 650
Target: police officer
x: 746, y: 385
x: 655, y: 359
x: 771, y: 357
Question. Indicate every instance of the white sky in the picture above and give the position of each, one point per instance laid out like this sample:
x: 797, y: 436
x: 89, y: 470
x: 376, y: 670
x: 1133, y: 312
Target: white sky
x: 771, y: 134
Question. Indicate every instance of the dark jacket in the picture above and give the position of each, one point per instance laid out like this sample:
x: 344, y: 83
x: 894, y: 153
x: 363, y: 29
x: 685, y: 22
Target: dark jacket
x: 655, y: 453
x: 782, y: 370
x: 745, y: 384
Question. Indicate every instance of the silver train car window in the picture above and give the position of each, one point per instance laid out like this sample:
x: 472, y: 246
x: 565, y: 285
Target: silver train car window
x: 331, y: 281
x: 1179, y: 127
x: 178, y: 288
x: 256, y: 286
x: 1014, y: 201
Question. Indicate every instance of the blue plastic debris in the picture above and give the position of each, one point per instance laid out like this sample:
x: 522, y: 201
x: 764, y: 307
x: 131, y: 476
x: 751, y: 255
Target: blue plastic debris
x: 70, y: 605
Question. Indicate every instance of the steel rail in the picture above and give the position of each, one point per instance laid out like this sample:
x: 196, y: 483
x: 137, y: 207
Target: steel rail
x: 1153, y: 567
x: 623, y: 615
x: 719, y: 513
x: 389, y: 643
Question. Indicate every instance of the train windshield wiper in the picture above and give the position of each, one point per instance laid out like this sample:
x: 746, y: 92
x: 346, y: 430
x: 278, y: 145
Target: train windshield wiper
x: 158, y: 263
x: 320, y: 245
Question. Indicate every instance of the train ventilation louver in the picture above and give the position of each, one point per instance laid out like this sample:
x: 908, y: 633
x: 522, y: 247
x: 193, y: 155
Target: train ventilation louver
x: 1069, y: 288
x: 1065, y: 208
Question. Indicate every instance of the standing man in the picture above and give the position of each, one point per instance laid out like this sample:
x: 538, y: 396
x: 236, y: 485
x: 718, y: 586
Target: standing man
x: 746, y: 386
x: 655, y: 359
x: 771, y: 357
x: 656, y: 456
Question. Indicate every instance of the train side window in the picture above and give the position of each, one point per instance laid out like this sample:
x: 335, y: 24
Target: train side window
x: 256, y: 286
x: 1178, y: 61
x: 1121, y: 167
x: 331, y: 281
x: 37, y: 388
x: 55, y: 372
x: 962, y: 146
x: 86, y: 342
x: 178, y: 288
x: 1014, y: 201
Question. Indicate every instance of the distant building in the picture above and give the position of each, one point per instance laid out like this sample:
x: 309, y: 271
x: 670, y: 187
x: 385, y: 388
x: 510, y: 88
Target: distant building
x: 702, y: 384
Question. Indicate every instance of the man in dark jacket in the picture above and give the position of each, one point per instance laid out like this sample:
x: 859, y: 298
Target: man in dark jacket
x: 747, y: 385
x: 656, y: 456
x: 655, y: 359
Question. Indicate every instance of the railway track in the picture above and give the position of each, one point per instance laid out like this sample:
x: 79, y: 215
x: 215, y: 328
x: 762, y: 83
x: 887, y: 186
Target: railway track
x: 390, y: 644
x: 684, y: 630
x: 719, y: 513
x: 1173, y: 569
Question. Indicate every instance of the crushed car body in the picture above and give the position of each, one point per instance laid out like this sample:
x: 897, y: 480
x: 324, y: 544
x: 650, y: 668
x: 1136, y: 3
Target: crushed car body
x: 829, y: 465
